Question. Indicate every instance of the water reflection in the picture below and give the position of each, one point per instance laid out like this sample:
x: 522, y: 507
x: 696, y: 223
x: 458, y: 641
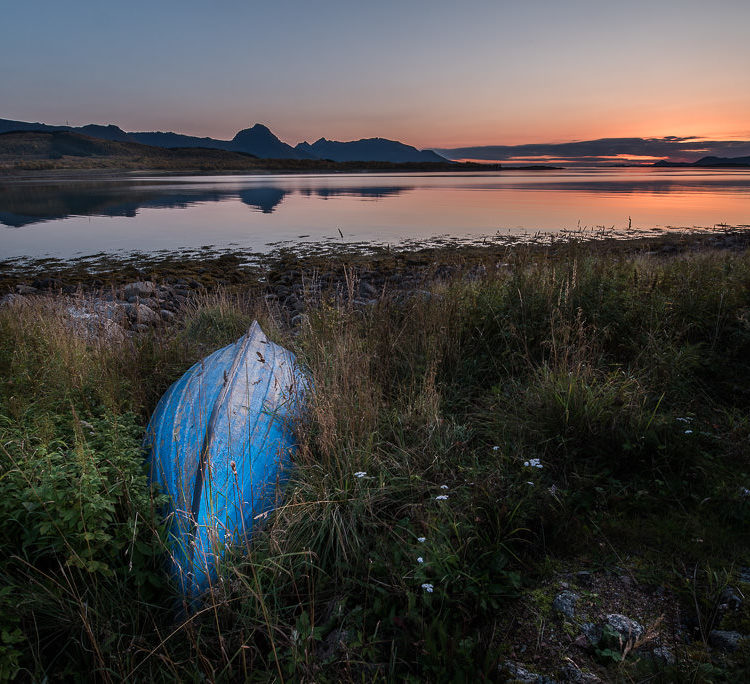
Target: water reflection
x: 24, y: 204
x: 255, y: 212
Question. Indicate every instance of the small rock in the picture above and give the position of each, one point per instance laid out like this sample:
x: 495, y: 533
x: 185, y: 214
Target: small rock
x: 475, y: 273
x: 565, y: 603
x: 142, y: 288
x: 367, y: 290
x: 592, y: 635
x: 517, y: 673
x: 26, y: 289
x: 139, y: 313
x: 48, y: 284
x: 334, y: 644
x: 166, y: 315
x: 423, y: 294
x: 663, y: 655
x: 627, y: 628
x: 150, y: 302
x: 111, y: 331
x: 730, y: 599
x: 11, y: 300
x: 92, y: 325
x: 723, y: 640
x: 570, y: 673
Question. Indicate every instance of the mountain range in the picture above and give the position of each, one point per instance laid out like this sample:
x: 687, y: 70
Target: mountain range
x: 258, y: 141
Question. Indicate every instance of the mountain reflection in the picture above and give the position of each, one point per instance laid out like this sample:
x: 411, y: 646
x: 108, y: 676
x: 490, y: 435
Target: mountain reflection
x: 24, y: 204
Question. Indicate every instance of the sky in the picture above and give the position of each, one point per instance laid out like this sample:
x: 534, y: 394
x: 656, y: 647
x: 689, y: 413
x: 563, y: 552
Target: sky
x: 434, y: 74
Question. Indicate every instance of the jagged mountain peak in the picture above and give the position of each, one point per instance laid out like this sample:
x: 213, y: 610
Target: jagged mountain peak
x: 257, y: 130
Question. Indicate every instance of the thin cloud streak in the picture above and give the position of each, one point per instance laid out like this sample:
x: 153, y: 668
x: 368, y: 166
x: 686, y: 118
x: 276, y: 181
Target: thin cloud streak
x: 605, y: 151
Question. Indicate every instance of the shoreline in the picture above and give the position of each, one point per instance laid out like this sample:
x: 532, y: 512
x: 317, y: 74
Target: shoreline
x: 291, y: 266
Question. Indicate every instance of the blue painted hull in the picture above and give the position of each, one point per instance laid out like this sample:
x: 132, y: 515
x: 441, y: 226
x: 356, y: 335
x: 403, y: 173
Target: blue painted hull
x: 220, y: 443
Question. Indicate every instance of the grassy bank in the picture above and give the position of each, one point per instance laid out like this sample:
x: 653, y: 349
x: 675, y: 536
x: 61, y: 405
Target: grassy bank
x: 582, y: 411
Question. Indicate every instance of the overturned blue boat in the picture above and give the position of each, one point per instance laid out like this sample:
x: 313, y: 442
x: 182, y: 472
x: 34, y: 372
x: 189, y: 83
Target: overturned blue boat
x: 220, y: 443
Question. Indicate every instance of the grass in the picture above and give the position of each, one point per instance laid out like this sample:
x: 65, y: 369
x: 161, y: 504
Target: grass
x: 624, y: 375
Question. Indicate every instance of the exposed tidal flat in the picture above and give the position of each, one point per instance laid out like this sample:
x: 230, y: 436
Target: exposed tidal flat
x: 520, y: 459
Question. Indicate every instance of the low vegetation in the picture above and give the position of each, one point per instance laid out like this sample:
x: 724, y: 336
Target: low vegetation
x: 464, y: 443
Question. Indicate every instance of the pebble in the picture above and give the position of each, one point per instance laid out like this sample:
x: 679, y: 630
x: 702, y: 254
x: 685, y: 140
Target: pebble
x: 518, y: 673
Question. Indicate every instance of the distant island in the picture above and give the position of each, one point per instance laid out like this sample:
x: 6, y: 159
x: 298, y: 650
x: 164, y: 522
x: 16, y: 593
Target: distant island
x: 710, y: 163
x: 28, y: 146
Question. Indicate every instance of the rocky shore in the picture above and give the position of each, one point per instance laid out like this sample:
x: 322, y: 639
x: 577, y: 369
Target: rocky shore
x: 132, y: 293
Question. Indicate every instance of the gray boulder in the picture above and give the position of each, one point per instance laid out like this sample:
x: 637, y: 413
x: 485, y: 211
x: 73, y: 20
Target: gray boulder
x: 628, y: 629
x: 565, y: 604
x: 138, y: 313
x: 91, y: 325
x: 142, y: 288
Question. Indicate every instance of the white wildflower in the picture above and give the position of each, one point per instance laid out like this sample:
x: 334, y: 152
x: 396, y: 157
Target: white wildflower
x: 533, y: 463
x: 444, y: 487
x: 360, y: 473
x: 442, y: 497
x: 420, y: 559
x: 530, y: 483
x: 745, y: 491
x: 684, y: 420
x: 688, y: 432
x: 421, y: 540
x: 428, y: 587
x: 495, y: 448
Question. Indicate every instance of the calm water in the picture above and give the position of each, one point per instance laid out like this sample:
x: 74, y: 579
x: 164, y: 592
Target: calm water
x: 149, y: 213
